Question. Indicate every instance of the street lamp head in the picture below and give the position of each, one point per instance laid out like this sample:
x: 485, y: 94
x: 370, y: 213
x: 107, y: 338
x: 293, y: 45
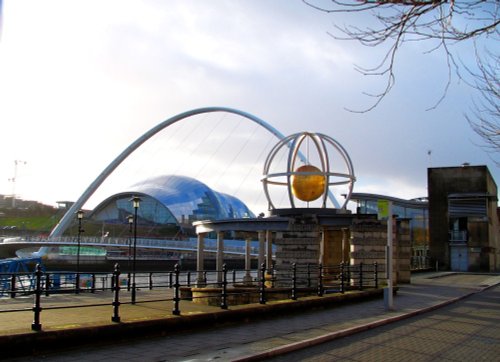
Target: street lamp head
x: 136, y: 200
x: 130, y: 219
x: 79, y: 214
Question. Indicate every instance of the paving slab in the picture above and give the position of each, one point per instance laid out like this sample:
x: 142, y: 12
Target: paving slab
x: 253, y: 337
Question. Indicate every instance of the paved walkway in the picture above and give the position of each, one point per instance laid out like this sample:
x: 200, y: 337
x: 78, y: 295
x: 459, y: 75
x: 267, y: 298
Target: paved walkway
x: 248, y: 341
x: 467, y: 330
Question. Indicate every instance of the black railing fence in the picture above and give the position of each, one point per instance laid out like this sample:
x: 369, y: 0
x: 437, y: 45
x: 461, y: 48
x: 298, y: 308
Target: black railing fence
x: 225, y: 287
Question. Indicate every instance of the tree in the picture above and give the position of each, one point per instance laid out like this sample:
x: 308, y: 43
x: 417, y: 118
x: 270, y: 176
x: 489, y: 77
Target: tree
x: 485, y: 116
x: 442, y: 24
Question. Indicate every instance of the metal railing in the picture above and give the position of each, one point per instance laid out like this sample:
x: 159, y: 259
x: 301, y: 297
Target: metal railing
x: 223, y: 286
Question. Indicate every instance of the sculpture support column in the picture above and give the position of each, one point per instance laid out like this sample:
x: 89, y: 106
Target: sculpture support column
x: 269, y: 251
x: 247, y: 279
x: 201, y: 281
x: 262, y: 250
x: 220, y: 256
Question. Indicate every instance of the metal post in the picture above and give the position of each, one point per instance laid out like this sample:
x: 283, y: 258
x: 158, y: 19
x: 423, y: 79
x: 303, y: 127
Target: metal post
x: 348, y: 273
x: 223, y: 303
x: 47, y: 284
x: 79, y: 215
x: 36, y: 326
x: 13, y: 286
x: 375, y: 266
x: 262, y: 289
x: 135, y: 255
x: 342, y: 278
x: 320, y: 280
x: 116, y: 297
x: 150, y: 281
x: 294, y: 281
x: 170, y: 280
x: 92, y: 287
x: 176, y: 299
x: 361, y: 276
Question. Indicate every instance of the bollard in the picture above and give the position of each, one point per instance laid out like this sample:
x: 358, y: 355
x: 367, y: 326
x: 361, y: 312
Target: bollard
x: 189, y: 279
x: 176, y: 299
x: 361, y: 276
x: 262, y: 286
x: 234, y: 276
x: 13, y: 286
x: 223, y: 303
x: 375, y: 265
x: 342, y: 278
x: 116, y: 296
x: 294, y: 281
x: 320, y: 280
x: 36, y: 326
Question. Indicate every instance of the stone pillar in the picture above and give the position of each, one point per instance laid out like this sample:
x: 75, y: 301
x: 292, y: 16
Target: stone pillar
x: 200, y: 262
x: 368, y: 245
x: 299, y: 246
x: 403, y: 251
x: 220, y: 256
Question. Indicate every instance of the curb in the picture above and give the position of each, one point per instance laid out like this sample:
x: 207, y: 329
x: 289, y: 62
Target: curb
x: 311, y: 342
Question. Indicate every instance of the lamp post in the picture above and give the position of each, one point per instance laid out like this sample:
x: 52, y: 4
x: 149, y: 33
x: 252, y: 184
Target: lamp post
x: 135, y: 204
x: 130, y: 219
x: 79, y: 215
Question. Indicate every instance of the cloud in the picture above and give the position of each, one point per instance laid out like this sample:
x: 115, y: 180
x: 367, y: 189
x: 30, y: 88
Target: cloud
x: 81, y: 80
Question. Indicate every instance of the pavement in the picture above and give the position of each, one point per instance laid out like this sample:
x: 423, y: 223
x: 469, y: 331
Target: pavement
x: 150, y: 332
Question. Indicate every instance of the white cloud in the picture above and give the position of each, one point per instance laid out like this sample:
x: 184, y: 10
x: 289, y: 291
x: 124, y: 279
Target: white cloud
x: 81, y: 80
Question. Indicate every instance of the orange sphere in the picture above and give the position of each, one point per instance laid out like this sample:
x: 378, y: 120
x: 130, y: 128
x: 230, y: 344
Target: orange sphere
x: 308, y: 187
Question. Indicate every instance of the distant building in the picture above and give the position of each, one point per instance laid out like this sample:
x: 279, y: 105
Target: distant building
x: 463, y: 220
x: 169, y: 206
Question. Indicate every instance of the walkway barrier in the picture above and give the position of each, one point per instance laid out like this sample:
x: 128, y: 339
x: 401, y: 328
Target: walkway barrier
x: 221, y: 288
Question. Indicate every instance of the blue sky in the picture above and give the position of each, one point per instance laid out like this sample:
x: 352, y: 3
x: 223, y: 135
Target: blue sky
x: 80, y: 80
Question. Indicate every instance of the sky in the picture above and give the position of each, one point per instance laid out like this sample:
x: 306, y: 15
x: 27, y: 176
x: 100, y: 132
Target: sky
x: 81, y: 80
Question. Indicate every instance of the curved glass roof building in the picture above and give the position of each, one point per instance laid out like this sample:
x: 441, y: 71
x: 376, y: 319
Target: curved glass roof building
x: 169, y: 202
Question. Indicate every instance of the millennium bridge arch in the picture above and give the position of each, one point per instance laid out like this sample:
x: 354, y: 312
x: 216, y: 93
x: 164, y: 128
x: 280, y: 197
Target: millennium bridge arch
x: 69, y: 215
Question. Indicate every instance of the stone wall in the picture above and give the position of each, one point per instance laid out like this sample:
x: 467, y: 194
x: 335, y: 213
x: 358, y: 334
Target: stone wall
x: 368, y: 245
x: 300, y: 247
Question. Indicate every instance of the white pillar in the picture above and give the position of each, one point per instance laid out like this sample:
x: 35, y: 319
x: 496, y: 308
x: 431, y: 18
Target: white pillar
x: 248, y: 262
x: 220, y: 255
x: 269, y: 252
x: 262, y: 251
x: 200, y: 262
